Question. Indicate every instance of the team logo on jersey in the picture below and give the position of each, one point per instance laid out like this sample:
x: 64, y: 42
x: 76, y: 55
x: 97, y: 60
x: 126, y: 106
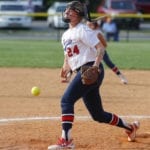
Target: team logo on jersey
x: 67, y: 43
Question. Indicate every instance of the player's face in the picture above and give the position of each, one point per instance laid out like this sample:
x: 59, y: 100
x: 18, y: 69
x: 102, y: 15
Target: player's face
x: 71, y: 14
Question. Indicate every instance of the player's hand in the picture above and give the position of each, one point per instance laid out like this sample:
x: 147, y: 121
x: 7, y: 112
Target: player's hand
x: 66, y: 75
x: 64, y: 72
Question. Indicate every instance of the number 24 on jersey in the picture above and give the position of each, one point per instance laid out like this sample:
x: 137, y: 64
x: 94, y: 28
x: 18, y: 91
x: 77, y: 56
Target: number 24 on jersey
x: 72, y: 51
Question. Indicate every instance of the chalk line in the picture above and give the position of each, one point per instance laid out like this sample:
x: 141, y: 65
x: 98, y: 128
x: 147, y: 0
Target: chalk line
x: 84, y: 118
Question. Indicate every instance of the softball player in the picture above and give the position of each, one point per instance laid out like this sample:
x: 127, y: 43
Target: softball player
x: 94, y: 25
x: 82, y: 47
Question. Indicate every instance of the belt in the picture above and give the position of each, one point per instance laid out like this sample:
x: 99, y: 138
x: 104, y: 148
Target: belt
x: 87, y: 64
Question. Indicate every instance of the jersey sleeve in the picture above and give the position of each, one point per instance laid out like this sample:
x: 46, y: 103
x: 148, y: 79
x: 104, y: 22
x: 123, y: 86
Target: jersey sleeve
x: 63, y: 45
x: 89, y: 37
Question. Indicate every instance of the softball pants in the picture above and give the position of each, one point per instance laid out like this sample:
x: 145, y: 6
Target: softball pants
x: 90, y: 95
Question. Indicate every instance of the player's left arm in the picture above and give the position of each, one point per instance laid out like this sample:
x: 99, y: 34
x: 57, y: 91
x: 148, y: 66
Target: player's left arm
x: 102, y: 39
x: 100, y: 53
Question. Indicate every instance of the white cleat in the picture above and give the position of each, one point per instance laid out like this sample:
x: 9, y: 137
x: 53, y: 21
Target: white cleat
x: 123, y: 79
x: 62, y: 144
x: 132, y: 134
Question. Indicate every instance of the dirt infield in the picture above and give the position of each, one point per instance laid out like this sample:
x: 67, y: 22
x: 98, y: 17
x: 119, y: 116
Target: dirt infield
x: 32, y: 123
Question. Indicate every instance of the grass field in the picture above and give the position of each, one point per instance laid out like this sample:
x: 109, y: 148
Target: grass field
x: 49, y: 54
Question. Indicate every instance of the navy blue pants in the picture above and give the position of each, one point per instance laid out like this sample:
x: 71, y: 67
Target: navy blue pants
x: 108, y: 61
x: 91, y: 98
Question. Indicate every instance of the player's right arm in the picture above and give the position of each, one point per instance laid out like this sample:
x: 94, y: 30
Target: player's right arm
x: 65, y: 68
x: 66, y: 72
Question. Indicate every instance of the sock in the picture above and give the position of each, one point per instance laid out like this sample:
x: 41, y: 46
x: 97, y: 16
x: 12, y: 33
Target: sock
x: 116, y: 70
x: 117, y: 121
x: 66, y: 134
x: 67, y: 120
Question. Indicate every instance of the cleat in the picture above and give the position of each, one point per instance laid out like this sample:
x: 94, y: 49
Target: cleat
x: 123, y: 79
x: 132, y: 134
x: 62, y: 144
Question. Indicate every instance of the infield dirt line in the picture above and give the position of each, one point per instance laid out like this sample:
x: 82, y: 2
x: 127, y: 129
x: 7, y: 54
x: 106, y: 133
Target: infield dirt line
x: 84, y: 118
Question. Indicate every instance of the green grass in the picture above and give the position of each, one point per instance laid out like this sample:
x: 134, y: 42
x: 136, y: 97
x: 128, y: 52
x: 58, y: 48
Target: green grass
x: 31, y: 53
x: 130, y: 55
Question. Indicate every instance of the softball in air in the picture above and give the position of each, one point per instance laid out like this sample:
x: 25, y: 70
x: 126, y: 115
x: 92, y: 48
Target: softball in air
x: 35, y: 91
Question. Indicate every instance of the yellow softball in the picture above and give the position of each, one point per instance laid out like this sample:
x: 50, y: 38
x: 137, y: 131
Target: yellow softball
x: 35, y: 91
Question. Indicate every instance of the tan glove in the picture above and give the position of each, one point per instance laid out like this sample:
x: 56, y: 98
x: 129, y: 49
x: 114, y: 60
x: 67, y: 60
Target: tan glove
x: 89, y: 74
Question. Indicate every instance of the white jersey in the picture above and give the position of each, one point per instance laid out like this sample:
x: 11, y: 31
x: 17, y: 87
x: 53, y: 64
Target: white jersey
x: 79, y: 45
x: 98, y: 31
